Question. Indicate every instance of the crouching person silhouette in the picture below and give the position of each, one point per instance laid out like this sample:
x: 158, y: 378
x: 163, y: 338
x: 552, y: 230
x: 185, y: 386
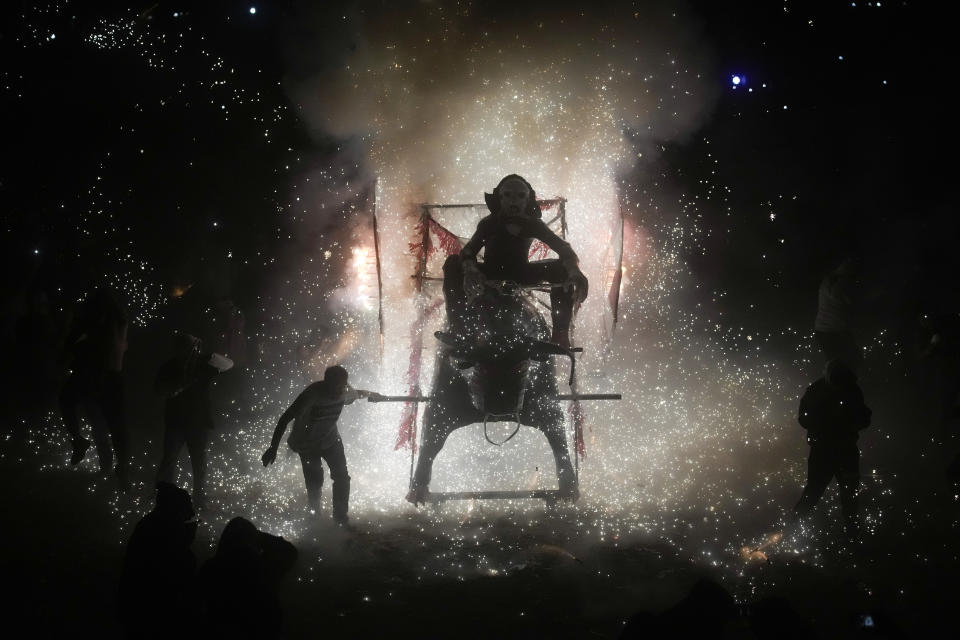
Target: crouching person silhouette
x: 157, y: 596
x: 506, y: 236
x: 239, y: 583
x: 315, y: 437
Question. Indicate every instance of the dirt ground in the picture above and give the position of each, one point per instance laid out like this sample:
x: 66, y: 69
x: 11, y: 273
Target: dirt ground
x: 481, y: 570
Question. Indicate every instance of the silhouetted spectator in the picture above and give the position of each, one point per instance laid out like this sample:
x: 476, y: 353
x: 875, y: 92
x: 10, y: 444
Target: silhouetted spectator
x: 836, y: 310
x: 943, y: 349
x: 774, y: 619
x: 185, y: 382
x: 239, y: 584
x: 833, y: 413
x: 157, y: 598
x: 97, y: 342
x: 703, y: 613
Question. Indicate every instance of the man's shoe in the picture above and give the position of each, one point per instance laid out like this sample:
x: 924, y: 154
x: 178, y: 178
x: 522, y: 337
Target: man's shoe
x: 344, y: 525
x: 417, y: 496
x: 80, y: 446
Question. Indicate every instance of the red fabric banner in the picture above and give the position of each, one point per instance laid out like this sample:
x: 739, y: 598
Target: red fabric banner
x: 407, y: 434
x: 446, y: 240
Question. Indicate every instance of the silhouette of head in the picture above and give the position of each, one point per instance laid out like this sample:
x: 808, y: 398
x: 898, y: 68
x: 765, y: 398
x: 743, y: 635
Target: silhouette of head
x: 174, y: 502
x: 240, y: 534
x: 336, y: 377
x: 839, y: 374
x: 513, y: 197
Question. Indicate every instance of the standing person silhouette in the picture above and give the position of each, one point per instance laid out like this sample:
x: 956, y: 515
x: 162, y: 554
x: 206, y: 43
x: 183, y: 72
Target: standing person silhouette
x: 833, y: 413
x: 97, y: 342
x: 184, y: 380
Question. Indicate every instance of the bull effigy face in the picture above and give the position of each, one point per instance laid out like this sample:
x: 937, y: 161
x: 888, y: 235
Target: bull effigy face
x: 497, y: 387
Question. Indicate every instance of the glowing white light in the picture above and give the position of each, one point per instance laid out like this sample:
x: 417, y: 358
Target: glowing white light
x: 735, y: 80
x: 253, y: 10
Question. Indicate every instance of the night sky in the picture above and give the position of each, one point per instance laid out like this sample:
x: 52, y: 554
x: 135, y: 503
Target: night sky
x: 187, y: 154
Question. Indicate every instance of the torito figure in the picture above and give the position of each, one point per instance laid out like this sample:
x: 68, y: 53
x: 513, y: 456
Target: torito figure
x: 506, y: 236
x: 833, y: 413
x: 315, y: 437
x: 501, y: 372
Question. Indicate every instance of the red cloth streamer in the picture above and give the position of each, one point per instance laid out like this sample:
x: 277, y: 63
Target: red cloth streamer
x: 407, y: 434
x: 538, y: 251
x: 446, y: 240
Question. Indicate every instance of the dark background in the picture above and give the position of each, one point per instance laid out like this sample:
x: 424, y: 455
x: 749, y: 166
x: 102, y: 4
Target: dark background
x: 853, y: 166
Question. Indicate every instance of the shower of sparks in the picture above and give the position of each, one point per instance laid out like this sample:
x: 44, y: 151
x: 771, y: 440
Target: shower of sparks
x: 703, y: 450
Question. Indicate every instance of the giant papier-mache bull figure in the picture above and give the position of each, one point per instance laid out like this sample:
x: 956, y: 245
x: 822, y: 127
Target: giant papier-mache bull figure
x: 499, y: 369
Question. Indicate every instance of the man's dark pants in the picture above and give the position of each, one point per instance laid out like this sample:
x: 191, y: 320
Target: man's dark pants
x: 830, y: 460
x: 313, y: 476
x: 101, y: 395
x: 179, y: 432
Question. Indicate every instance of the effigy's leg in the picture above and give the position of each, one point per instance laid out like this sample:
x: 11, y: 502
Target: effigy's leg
x: 566, y: 478
x: 434, y: 436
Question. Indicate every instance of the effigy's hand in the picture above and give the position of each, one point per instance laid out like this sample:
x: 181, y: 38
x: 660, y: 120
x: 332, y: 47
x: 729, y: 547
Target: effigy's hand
x: 578, y: 283
x: 269, y: 456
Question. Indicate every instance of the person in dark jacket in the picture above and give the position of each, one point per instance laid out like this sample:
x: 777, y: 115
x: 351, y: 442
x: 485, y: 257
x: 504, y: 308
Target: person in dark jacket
x: 506, y: 236
x: 833, y: 412
x: 156, y: 596
x: 96, y: 343
x: 184, y: 381
x: 705, y: 612
x: 239, y: 584
x: 315, y: 437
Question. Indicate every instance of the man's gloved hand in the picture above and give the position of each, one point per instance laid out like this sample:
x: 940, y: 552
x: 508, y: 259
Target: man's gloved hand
x: 269, y: 456
x: 473, y: 279
x: 578, y: 282
x: 373, y: 396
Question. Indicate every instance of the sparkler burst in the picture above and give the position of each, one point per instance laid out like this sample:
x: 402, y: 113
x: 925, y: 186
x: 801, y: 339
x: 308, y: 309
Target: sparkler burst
x: 435, y: 102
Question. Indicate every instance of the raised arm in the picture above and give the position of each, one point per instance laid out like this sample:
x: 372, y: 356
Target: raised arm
x: 475, y: 243
x: 545, y: 234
